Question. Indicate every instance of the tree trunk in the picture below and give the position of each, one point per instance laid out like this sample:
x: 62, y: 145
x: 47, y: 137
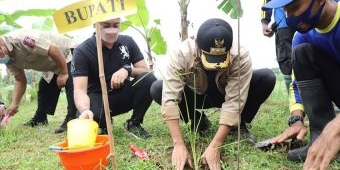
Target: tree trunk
x: 183, y: 5
x: 150, y: 58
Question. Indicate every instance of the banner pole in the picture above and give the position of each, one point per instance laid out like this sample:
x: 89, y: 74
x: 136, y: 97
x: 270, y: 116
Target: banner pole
x: 105, y: 97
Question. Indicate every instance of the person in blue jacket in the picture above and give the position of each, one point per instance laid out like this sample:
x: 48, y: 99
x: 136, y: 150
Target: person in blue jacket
x: 283, y: 39
x: 316, y: 65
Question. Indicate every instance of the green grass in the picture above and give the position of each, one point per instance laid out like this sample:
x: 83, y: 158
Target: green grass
x: 25, y: 148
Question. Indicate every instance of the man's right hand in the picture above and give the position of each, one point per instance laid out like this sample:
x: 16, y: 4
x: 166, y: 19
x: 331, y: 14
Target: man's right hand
x: 180, y: 157
x: 298, y: 130
x: 267, y: 31
x: 61, y: 80
x: 325, y: 147
x: 86, y: 114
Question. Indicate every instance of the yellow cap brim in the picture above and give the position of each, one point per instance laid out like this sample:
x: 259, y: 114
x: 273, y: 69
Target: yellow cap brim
x: 215, y: 62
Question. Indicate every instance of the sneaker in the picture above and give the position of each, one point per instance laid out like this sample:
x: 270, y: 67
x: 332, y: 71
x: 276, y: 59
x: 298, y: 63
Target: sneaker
x: 245, y: 133
x: 63, y: 127
x: 60, y: 129
x: 136, y: 130
x: 102, y: 131
x: 337, y: 110
x: 36, y: 121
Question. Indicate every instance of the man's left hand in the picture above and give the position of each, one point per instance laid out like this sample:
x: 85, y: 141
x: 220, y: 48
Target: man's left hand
x: 118, y: 78
x: 298, y: 130
x: 211, y: 157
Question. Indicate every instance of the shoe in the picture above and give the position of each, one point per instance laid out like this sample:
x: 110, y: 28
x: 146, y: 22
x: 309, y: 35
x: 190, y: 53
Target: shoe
x: 60, y: 129
x: 63, y: 127
x: 245, y: 133
x: 298, y: 155
x: 36, y: 121
x: 136, y: 130
x: 203, y: 125
x: 337, y: 110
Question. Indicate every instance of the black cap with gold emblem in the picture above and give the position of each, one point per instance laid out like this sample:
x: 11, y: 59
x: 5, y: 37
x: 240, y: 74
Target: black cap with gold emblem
x: 214, y: 39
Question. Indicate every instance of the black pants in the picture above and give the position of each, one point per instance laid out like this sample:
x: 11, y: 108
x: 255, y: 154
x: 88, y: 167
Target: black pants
x: 261, y: 85
x: 48, y: 96
x: 310, y: 63
x: 133, y: 95
x: 283, y: 44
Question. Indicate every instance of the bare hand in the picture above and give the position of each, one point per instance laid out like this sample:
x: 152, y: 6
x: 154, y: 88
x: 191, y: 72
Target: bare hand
x: 118, y: 78
x: 212, y: 158
x: 298, y: 130
x: 324, y: 148
x: 86, y: 114
x: 267, y: 31
x: 12, y: 110
x: 180, y: 157
x: 61, y: 80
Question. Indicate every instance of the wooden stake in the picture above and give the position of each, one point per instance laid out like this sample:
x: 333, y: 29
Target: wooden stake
x: 105, y: 98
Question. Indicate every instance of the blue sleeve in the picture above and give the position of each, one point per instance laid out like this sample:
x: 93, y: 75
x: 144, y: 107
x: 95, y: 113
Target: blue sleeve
x: 267, y: 14
x: 295, y: 102
x: 298, y: 39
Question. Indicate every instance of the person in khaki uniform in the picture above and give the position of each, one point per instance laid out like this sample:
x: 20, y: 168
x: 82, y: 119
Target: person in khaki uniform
x: 41, y: 51
x: 209, y: 73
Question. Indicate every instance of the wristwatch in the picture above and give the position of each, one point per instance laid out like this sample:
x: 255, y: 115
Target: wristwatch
x: 3, y: 105
x: 128, y: 68
x: 294, y: 119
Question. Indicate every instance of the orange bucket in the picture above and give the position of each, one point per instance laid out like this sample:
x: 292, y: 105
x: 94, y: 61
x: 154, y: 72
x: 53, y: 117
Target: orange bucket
x: 93, y: 158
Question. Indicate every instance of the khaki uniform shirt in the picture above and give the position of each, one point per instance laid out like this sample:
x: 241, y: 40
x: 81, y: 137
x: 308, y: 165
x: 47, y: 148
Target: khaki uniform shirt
x: 184, y: 65
x: 29, y: 50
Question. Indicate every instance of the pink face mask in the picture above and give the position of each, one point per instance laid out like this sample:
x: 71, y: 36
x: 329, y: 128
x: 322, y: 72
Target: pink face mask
x: 109, y: 35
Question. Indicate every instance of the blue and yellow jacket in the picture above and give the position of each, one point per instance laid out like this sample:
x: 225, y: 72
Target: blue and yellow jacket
x: 327, y: 40
x: 279, y: 16
x: 295, y: 102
